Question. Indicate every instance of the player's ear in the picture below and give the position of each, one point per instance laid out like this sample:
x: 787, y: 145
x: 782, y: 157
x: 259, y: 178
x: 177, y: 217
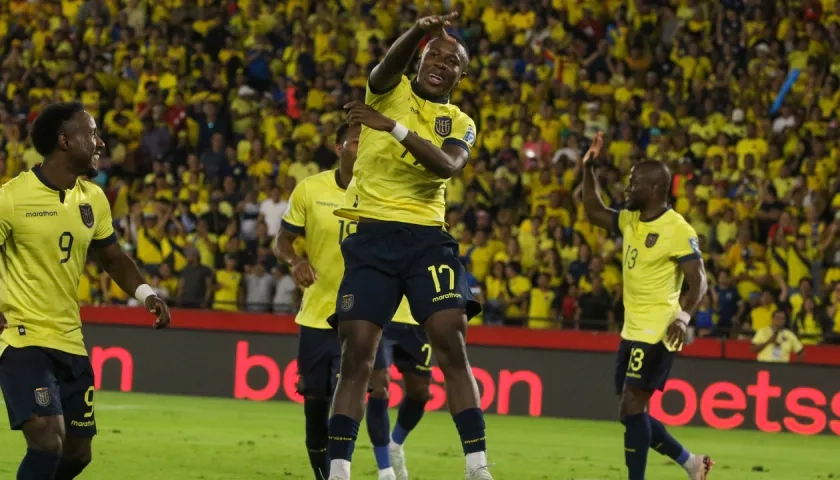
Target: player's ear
x: 463, y: 76
x: 63, y: 141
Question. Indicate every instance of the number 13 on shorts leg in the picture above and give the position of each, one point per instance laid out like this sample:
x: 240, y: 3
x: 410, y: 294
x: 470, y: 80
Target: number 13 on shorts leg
x: 637, y: 358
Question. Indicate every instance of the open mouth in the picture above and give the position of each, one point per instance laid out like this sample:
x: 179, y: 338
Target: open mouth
x: 435, y: 79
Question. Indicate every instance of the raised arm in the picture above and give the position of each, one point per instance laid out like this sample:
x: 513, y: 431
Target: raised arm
x: 597, y: 213
x: 388, y: 73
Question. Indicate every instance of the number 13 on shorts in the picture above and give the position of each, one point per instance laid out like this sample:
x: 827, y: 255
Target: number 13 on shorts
x: 637, y: 357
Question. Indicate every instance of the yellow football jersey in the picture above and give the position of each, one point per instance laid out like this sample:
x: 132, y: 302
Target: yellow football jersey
x: 44, y: 247
x: 388, y: 183
x: 651, y: 272
x: 310, y: 214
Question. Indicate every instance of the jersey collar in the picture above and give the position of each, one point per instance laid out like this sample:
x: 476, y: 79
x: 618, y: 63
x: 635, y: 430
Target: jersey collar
x: 40, y: 175
x: 442, y: 101
x: 338, y: 180
x: 664, y: 211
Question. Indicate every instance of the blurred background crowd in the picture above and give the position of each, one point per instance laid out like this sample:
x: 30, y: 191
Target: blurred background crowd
x: 213, y: 111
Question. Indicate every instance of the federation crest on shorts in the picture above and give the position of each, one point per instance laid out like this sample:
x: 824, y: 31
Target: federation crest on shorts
x: 651, y: 239
x: 87, y: 214
x: 42, y: 396
x: 443, y: 126
x: 346, y: 302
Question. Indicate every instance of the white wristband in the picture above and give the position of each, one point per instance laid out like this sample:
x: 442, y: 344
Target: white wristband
x: 684, y: 319
x: 143, y: 291
x: 399, y: 131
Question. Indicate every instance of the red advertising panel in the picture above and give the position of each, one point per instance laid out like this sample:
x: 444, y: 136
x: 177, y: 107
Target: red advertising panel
x: 802, y: 399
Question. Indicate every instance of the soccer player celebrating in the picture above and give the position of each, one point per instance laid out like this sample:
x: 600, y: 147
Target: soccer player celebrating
x: 412, y: 141
x: 310, y: 215
x: 660, y: 250
x: 49, y: 217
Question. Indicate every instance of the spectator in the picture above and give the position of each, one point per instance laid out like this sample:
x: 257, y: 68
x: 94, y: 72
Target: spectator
x: 594, y: 310
x: 259, y: 289
x: 284, y: 295
x: 775, y: 343
x: 272, y: 210
x: 195, y: 289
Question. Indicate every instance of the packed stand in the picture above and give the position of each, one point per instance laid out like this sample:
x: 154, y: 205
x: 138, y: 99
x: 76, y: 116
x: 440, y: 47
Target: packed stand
x: 212, y: 115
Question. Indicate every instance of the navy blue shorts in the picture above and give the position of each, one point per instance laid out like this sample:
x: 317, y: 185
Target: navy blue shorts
x: 407, y: 347
x: 319, y: 359
x: 384, y: 261
x: 642, y: 365
x: 47, y: 382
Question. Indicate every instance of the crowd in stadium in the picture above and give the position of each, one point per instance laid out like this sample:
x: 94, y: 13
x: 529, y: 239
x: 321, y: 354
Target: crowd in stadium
x: 211, y: 115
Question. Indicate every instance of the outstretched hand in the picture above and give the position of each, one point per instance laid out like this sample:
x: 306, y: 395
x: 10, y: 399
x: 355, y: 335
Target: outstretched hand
x: 595, y: 149
x: 360, y: 113
x: 160, y: 309
x: 436, y: 23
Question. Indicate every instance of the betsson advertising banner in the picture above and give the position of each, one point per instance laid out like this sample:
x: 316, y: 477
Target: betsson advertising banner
x: 802, y: 399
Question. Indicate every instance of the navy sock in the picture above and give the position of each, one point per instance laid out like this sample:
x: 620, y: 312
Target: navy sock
x: 38, y: 465
x: 637, y: 437
x: 411, y: 411
x: 342, y: 440
x: 664, y: 443
x: 470, y: 425
x: 317, y: 412
x: 378, y: 425
x: 69, y: 469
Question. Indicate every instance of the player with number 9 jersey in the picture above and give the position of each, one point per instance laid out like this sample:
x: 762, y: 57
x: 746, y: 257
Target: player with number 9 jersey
x: 49, y: 217
x: 45, y: 244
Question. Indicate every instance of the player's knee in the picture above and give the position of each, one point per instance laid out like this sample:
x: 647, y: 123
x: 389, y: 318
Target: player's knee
x: 451, y: 353
x: 632, y: 402
x: 379, y: 381
x: 358, y: 347
x: 45, y: 434
x: 81, y: 455
x: 418, y: 389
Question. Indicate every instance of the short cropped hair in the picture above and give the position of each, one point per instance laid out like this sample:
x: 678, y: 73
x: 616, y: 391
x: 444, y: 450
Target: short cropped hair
x: 47, y: 125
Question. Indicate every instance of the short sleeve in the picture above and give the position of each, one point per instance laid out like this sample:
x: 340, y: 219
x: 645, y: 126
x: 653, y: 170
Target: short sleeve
x: 463, y: 133
x: 621, y: 219
x: 380, y: 100
x: 761, y: 336
x: 684, y: 243
x: 103, y: 233
x: 294, y: 219
x: 7, y: 214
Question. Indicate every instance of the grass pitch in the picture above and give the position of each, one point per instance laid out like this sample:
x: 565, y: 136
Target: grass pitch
x: 155, y: 437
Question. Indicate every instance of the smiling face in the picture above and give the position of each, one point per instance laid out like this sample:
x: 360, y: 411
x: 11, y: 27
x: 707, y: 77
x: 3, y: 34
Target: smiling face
x: 83, y: 144
x: 441, y: 66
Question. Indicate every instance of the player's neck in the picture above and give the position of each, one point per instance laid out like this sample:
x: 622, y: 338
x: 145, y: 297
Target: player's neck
x: 56, y: 175
x: 653, y: 212
x: 343, y: 176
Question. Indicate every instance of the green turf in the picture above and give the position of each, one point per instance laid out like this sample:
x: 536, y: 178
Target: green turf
x: 153, y: 437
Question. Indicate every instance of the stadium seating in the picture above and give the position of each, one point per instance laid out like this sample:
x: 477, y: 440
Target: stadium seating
x: 213, y: 114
